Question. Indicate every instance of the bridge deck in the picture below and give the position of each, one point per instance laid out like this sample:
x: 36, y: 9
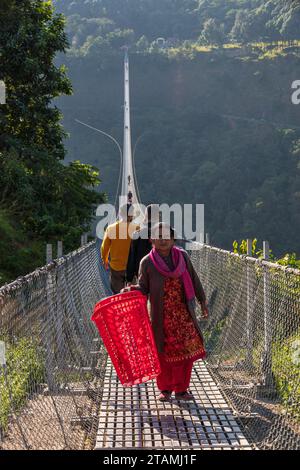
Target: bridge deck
x: 134, y: 418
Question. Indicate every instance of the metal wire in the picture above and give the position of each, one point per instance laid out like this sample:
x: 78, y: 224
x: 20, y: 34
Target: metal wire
x: 253, y: 341
x: 50, y: 389
x: 51, y: 386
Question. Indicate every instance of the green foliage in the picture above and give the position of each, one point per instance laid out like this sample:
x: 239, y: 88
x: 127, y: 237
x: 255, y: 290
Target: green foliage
x: 212, y: 336
x: 209, y: 21
x: 217, y: 130
x: 18, y: 253
x: 25, y: 369
x: 286, y: 371
x: 41, y: 199
x: 289, y: 259
x: 30, y: 37
x: 219, y: 127
x: 286, y: 350
x: 215, y: 121
x: 241, y: 248
x: 213, y: 32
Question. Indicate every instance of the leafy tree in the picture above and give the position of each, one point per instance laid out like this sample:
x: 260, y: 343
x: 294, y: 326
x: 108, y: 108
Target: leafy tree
x: 41, y: 199
x: 213, y: 32
x: 142, y: 44
x: 241, y: 26
x: 218, y: 20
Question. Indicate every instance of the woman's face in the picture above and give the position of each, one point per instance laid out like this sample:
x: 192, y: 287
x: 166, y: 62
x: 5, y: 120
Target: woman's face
x: 164, y: 243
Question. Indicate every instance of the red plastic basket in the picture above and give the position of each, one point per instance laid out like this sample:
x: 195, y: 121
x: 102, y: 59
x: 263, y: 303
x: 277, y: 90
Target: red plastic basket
x: 124, y: 325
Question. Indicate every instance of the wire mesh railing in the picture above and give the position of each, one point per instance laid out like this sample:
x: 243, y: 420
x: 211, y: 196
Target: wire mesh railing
x: 253, y: 342
x: 51, y: 385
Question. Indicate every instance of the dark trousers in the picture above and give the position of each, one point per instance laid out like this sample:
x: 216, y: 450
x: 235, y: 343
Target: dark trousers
x: 117, y: 280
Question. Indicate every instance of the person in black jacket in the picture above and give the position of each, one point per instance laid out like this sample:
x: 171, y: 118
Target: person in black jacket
x: 140, y: 244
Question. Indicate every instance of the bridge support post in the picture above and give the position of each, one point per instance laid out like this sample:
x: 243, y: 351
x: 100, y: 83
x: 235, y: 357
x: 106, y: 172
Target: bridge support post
x: 266, y: 360
x: 84, y: 239
x: 59, y: 249
x: 49, y: 253
x: 49, y: 332
x: 249, y: 321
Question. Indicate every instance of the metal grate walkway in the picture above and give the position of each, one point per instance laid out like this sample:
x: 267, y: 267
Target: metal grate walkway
x: 134, y: 418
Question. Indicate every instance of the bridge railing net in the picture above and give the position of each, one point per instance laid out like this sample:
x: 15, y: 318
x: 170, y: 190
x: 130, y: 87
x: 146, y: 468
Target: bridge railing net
x: 50, y: 387
x: 253, y: 342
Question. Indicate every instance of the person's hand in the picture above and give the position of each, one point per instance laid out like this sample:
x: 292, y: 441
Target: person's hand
x: 128, y: 288
x: 204, y: 308
x: 106, y: 265
x: 125, y: 289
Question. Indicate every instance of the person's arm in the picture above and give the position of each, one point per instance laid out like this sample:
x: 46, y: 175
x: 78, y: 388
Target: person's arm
x: 105, y: 248
x: 143, y: 277
x: 143, y: 280
x: 199, y: 291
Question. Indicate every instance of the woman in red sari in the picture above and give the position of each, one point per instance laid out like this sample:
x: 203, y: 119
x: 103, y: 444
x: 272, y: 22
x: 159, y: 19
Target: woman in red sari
x: 168, y: 277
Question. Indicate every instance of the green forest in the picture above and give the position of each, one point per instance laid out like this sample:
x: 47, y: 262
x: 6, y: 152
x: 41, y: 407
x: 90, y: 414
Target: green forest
x: 212, y: 117
x: 41, y: 199
x: 211, y: 107
x: 206, y: 21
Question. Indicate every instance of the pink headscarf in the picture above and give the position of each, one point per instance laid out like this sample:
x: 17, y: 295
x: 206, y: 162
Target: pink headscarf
x: 179, y: 271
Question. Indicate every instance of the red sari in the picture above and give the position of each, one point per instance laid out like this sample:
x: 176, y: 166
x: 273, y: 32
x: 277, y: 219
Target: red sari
x: 183, y: 344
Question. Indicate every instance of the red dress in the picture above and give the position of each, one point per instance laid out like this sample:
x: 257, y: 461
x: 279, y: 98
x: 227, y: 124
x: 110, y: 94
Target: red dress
x: 183, y: 343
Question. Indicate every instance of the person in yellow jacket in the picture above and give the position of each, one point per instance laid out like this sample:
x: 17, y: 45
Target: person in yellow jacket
x: 115, y: 248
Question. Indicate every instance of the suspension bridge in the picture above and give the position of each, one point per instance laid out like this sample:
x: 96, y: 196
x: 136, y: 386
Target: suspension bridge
x: 58, y: 388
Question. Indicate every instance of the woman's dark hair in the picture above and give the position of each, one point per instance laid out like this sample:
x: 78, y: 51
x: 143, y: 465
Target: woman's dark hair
x: 170, y: 231
x: 151, y: 213
x: 151, y: 217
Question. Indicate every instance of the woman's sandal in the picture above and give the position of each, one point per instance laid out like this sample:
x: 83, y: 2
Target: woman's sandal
x: 165, y: 395
x: 186, y: 396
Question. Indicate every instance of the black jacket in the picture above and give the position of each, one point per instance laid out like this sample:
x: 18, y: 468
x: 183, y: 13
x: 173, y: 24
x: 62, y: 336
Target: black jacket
x: 140, y: 247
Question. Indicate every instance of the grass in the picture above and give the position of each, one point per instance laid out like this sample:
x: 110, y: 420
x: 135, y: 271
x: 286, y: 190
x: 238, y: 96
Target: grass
x: 25, y: 369
x: 286, y: 371
x: 285, y: 365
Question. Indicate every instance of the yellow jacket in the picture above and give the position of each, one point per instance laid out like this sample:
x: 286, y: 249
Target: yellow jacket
x: 116, y: 244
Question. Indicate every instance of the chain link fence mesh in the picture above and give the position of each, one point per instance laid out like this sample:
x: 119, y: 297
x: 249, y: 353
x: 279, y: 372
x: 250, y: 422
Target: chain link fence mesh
x: 253, y: 342
x: 51, y: 386
x: 50, y: 389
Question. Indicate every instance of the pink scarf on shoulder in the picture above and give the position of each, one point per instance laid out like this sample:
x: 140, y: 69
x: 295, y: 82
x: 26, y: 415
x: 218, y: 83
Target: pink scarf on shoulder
x: 179, y: 271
